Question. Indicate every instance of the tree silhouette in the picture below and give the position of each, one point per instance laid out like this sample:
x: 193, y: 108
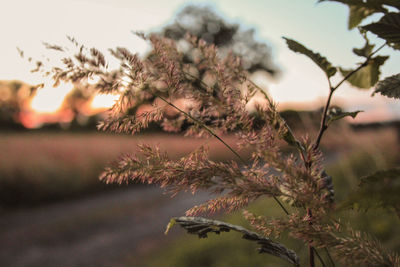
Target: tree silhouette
x: 204, y: 23
x: 13, y: 97
x: 76, y: 103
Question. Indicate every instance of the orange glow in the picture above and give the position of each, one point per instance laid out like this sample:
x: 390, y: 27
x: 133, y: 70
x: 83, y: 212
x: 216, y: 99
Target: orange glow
x: 101, y: 102
x: 50, y: 99
x: 34, y: 120
x: 46, y: 106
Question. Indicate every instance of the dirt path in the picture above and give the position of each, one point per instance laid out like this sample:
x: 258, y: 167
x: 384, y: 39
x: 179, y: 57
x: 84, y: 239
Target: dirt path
x: 98, y: 231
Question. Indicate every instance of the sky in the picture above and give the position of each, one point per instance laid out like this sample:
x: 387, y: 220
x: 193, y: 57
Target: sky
x: 109, y: 23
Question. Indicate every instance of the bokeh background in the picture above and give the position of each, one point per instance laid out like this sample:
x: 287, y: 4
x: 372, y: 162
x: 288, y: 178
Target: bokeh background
x: 54, y: 210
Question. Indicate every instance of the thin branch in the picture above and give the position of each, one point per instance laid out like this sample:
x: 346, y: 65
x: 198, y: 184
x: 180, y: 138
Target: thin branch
x: 319, y: 258
x: 298, y: 145
x: 310, y: 247
x: 270, y: 102
x: 219, y: 139
x: 332, y: 89
x: 311, y: 260
x: 301, y: 152
x: 330, y: 257
x: 323, y: 125
x: 365, y: 63
x: 205, y: 127
x: 281, y: 205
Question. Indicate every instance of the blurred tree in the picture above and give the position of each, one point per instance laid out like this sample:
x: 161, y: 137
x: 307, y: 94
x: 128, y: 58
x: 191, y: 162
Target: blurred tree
x: 199, y: 22
x: 13, y: 98
x: 204, y: 23
x: 76, y: 102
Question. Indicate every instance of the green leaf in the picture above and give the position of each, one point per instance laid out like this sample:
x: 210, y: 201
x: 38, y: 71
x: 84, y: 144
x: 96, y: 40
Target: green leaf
x: 376, y: 5
x: 170, y: 225
x: 321, y: 61
x: 337, y: 114
x: 387, y: 28
x: 365, y: 51
x: 381, y: 189
x: 392, y: 3
x: 358, y: 14
x: 361, y: 9
x: 389, y: 87
x: 368, y: 76
x: 201, y: 227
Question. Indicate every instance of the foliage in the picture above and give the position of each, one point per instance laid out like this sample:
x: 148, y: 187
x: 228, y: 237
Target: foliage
x: 358, y: 162
x: 389, y: 87
x: 75, y: 103
x: 378, y: 189
x: 335, y: 114
x: 368, y: 76
x: 210, y: 96
x: 321, y: 61
x: 204, y: 23
x: 387, y: 28
x: 201, y: 227
x: 13, y: 98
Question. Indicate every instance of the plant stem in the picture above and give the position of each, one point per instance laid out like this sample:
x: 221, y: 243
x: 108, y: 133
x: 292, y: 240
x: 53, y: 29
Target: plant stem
x: 319, y: 258
x: 299, y: 147
x: 311, y: 256
x: 310, y: 247
x: 205, y: 127
x: 270, y: 102
x: 219, y: 139
x: 365, y: 63
x: 330, y: 258
x: 323, y: 125
x: 332, y: 89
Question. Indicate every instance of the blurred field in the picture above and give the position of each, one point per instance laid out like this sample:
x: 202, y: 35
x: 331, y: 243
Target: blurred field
x: 44, y: 167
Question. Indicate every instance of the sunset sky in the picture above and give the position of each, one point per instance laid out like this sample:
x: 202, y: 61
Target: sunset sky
x: 108, y: 23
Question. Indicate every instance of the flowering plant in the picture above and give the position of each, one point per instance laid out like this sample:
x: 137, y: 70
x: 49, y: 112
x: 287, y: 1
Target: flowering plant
x: 211, y: 95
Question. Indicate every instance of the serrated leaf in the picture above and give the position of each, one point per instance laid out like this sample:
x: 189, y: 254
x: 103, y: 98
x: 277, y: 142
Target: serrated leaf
x: 377, y: 5
x: 389, y: 87
x: 340, y: 115
x: 381, y: 189
x: 321, y: 61
x: 387, y: 28
x: 368, y: 76
x: 201, y: 227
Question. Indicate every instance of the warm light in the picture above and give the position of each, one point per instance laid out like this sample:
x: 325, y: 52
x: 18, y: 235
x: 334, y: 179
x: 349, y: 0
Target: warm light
x: 103, y: 101
x: 50, y: 99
